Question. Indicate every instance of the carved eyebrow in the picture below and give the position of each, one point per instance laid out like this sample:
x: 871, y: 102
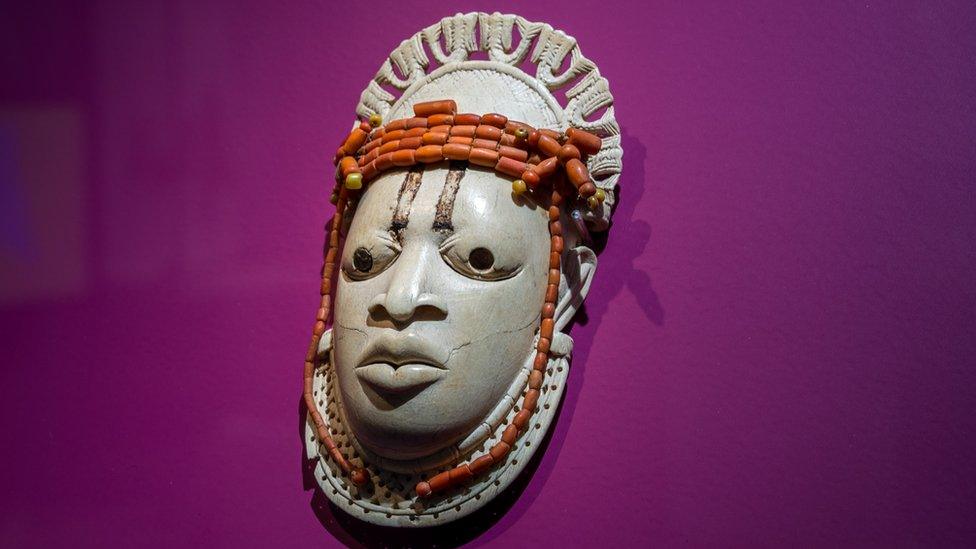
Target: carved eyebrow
x: 445, y: 204
x: 408, y: 190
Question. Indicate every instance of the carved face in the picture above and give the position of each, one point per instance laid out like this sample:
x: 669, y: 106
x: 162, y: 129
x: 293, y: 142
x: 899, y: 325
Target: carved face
x: 443, y: 275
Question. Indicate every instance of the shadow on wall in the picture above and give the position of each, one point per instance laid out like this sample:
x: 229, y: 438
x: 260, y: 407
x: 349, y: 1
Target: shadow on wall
x: 630, y: 237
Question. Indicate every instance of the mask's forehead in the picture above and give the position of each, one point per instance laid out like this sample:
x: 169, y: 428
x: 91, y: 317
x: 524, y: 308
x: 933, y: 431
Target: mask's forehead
x: 441, y: 199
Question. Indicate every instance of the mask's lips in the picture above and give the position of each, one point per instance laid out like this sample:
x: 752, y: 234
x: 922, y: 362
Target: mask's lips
x: 394, y: 379
x: 401, y: 363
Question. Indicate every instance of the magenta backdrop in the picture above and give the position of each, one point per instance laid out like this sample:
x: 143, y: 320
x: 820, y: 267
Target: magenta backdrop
x: 778, y: 348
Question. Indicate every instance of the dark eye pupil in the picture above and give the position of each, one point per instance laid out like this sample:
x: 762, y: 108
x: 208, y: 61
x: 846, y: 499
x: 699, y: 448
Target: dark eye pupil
x: 362, y: 260
x: 481, y: 259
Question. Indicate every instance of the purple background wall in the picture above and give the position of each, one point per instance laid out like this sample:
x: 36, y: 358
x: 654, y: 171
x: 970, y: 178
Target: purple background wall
x: 778, y: 348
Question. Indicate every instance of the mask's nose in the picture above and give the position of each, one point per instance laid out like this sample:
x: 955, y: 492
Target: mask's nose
x: 408, y: 297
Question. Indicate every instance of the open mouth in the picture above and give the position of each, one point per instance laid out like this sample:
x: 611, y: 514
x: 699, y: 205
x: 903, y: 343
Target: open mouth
x: 399, y: 378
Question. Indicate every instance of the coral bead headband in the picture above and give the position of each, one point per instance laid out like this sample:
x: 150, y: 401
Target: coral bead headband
x: 515, y: 149
x: 437, y: 133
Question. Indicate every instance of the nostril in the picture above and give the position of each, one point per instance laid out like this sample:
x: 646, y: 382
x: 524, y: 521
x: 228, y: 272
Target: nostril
x: 400, y: 309
x: 429, y: 312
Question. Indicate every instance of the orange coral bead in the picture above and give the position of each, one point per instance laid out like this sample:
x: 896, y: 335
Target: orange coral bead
x: 467, y: 119
x: 411, y: 142
x: 355, y: 140
x: 372, y: 145
x: 548, y: 146
x: 464, y: 131
x: 396, y: 125
x: 488, y: 132
x: 514, y: 153
x: 494, y: 119
x: 484, y: 144
x: 536, y: 378
x: 553, y: 213
x: 358, y: 476
x: 440, y: 481
x: 393, y: 135
x: 440, y: 119
x: 428, y: 108
x: 556, y: 243
x: 566, y: 152
x: 546, y: 328
x: 404, y: 157
x: 483, y: 157
x: 587, y: 189
x: 509, y: 166
x: 319, y: 328
x: 431, y: 138
x: 416, y: 122
x: 460, y: 474
x: 384, y: 162
x: 481, y: 464
x: 577, y: 173
x: 429, y: 153
x: 347, y: 165
x: 509, y: 434
x: 547, y: 167
x: 500, y: 450
x: 552, y: 292
x: 389, y: 146
x: 586, y: 141
x: 455, y: 151
x: 543, y: 345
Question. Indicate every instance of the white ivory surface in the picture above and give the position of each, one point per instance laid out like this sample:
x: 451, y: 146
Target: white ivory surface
x: 483, y: 332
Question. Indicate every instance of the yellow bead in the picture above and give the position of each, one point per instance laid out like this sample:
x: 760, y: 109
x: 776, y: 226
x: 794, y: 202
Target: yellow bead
x: 521, y: 133
x: 600, y: 195
x: 518, y: 187
x: 334, y: 199
x: 592, y: 202
x: 375, y: 120
x: 354, y: 181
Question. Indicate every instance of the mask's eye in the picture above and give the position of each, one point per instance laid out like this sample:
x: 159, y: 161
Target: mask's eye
x: 369, y: 256
x: 362, y: 260
x: 479, y: 262
x: 481, y: 259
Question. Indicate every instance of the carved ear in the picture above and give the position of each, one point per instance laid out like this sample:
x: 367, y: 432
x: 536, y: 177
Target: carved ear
x: 579, y: 265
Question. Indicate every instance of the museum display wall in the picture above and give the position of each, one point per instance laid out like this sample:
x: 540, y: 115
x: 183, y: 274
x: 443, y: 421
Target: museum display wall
x: 776, y: 349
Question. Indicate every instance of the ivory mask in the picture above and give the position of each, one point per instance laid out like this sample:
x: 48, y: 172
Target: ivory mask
x: 441, y: 279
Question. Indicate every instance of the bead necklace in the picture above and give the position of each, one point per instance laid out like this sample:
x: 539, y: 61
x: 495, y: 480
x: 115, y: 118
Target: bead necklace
x: 514, y: 149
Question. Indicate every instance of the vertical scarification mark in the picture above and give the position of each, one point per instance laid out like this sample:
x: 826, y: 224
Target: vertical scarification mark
x: 445, y: 204
x: 408, y: 190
